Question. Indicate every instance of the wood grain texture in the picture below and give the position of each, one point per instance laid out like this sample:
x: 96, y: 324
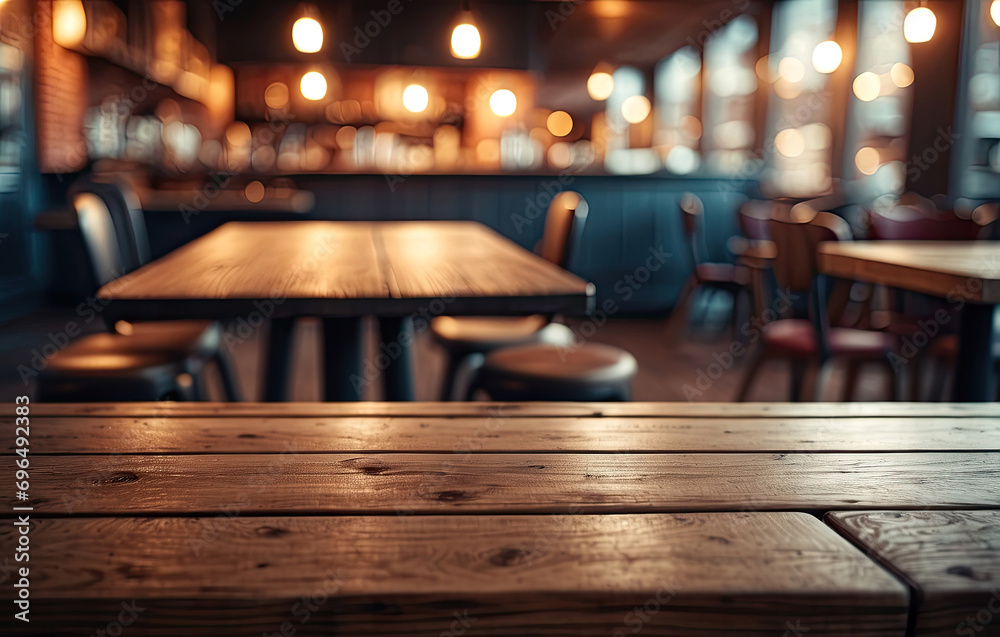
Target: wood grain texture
x: 65, y: 435
x: 522, y: 410
x: 346, y: 268
x: 389, y: 484
x: 951, y: 559
x: 951, y: 269
x: 506, y: 575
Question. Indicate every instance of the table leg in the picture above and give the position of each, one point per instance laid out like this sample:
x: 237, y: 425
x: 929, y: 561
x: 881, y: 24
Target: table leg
x: 974, y: 366
x: 343, y: 377
x: 277, y: 359
x: 394, y: 357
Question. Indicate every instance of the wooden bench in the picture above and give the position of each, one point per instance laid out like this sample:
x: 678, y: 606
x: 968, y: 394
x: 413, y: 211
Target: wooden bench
x: 481, y: 519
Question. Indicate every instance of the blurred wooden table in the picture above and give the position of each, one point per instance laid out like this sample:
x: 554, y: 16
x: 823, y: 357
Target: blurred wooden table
x: 495, y: 519
x: 340, y: 271
x: 965, y: 273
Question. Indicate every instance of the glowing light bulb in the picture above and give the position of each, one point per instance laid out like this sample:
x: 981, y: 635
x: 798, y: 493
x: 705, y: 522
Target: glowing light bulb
x: 415, y: 98
x: 465, y: 42
x: 827, y: 57
x: 313, y: 86
x: 307, y: 35
x: 995, y: 12
x: 635, y: 109
x: 600, y: 86
x: 69, y: 22
x: 503, y: 102
x: 919, y: 25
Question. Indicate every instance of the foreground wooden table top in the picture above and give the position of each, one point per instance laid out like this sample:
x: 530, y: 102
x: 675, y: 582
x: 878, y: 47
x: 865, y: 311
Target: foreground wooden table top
x: 346, y: 268
x: 493, y: 519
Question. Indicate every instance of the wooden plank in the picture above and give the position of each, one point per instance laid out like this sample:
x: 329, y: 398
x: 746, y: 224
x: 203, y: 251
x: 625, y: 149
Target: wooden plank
x: 521, y: 410
x: 345, y: 268
x: 509, y: 575
x: 214, y: 434
x: 454, y: 259
x: 389, y: 484
x: 951, y: 559
x: 968, y: 270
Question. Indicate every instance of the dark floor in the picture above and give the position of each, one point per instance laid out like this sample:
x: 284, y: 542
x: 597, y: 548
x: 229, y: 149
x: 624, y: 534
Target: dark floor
x: 692, y: 365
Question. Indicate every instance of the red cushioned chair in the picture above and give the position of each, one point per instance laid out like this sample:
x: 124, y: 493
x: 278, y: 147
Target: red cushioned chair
x: 805, y: 342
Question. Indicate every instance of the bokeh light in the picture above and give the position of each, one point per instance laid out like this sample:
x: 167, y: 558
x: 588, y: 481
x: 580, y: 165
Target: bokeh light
x: 867, y: 160
x: 313, y: 86
x: 307, y: 35
x: 254, y: 192
x: 559, y: 123
x: 503, y: 102
x: 636, y: 109
x: 600, y: 85
x: 276, y: 95
x: 415, y: 98
x: 465, y: 42
x: 901, y: 74
x: 827, y: 57
x: 791, y: 69
x: 790, y: 142
x: 867, y: 86
x: 69, y: 22
x: 919, y: 25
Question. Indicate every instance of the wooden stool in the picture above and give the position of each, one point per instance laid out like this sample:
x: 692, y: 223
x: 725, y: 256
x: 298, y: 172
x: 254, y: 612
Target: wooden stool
x: 586, y: 372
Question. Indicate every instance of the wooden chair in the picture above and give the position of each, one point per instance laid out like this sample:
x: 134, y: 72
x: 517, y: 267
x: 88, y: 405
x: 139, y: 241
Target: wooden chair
x: 730, y: 278
x: 467, y: 339
x: 137, y: 362
x: 805, y: 342
x: 754, y: 247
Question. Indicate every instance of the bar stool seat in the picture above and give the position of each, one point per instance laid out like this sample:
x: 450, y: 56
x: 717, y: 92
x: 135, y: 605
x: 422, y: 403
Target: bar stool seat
x: 114, y: 367
x: 587, y: 372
